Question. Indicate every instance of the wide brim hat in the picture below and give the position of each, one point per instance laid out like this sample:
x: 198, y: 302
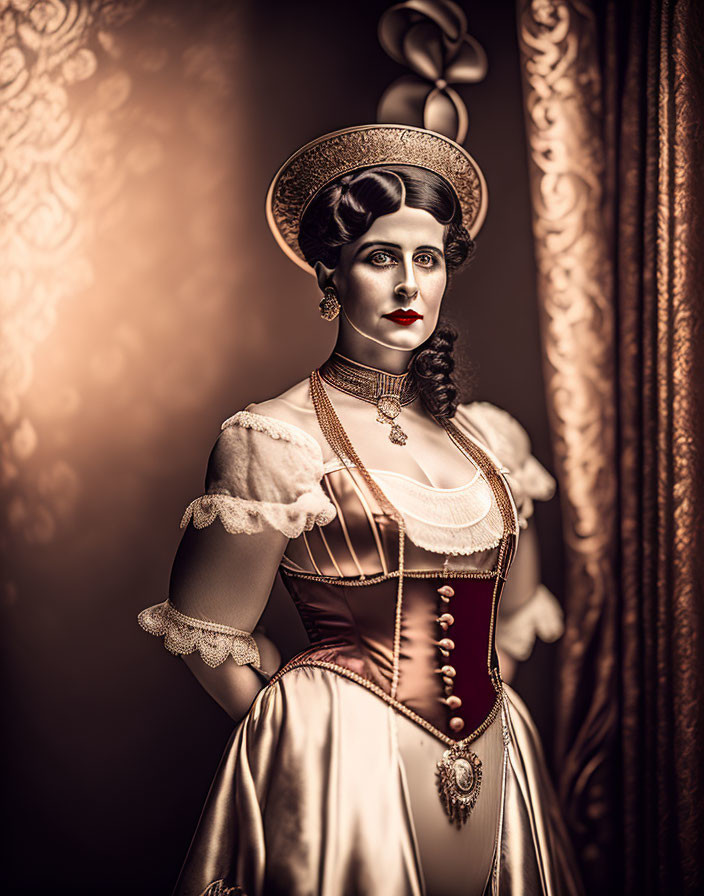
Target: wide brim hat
x: 333, y: 155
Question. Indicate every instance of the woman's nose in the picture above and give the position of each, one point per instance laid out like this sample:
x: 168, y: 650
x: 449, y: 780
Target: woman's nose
x: 407, y: 288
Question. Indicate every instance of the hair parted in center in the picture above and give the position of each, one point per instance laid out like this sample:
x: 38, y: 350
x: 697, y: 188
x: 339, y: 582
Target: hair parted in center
x: 345, y: 209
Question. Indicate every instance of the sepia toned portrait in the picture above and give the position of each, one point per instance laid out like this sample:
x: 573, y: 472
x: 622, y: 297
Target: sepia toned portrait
x: 352, y: 470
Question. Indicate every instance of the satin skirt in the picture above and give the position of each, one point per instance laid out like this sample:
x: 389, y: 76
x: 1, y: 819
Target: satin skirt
x: 311, y: 799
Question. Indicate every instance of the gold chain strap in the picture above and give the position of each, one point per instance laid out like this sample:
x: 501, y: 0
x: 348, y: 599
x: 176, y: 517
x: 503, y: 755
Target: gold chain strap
x: 499, y: 487
x: 338, y: 440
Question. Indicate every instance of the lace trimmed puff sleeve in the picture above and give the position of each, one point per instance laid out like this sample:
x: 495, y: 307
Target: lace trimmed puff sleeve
x: 534, y: 611
x: 263, y: 475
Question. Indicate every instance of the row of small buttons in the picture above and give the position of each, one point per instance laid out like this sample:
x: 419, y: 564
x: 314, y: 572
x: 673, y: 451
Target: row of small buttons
x: 445, y: 645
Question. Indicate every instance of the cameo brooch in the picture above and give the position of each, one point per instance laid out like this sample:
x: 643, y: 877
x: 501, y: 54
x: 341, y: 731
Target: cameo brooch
x: 459, y: 779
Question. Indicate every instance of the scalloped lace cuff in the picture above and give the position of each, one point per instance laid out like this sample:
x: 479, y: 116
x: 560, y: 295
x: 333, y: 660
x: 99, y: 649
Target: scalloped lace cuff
x: 184, y: 634
x: 541, y: 616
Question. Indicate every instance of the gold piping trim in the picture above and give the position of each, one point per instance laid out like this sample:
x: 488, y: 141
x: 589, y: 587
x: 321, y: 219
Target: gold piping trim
x: 393, y: 574
x: 327, y: 548
x: 370, y: 518
x: 345, y: 533
x: 496, y: 860
x: 496, y: 593
x: 286, y: 559
x: 310, y: 554
x: 387, y: 698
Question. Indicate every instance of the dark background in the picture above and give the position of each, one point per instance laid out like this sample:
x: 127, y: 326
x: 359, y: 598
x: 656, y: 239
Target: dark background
x: 110, y: 744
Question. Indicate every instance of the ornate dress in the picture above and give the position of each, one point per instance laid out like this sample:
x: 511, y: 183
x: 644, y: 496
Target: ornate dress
x: 398, y: 586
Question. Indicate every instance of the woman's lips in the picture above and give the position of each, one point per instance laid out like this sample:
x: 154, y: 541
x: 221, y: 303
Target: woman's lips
x: 405, y: 318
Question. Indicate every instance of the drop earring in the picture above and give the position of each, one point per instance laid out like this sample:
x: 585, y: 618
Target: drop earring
x: 329, y: 304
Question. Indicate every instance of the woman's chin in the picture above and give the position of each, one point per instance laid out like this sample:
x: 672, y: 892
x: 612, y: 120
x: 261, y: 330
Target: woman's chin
x: 406, y: 339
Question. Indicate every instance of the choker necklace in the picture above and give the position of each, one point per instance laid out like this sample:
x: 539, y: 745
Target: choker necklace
x: 388, y: 391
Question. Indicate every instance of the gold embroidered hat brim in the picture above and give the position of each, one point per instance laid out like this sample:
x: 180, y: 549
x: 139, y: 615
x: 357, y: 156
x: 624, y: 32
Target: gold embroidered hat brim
x: 326, y: 158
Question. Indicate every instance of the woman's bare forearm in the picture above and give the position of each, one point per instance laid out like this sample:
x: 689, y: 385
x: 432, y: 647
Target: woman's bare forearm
x: 224, y: 578
x: 234, y: 687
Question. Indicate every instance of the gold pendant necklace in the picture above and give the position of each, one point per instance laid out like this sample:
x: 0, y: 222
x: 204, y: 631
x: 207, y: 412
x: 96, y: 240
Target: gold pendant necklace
x: 390, y: 392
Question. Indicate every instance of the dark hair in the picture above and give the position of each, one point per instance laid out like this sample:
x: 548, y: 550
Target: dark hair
x: 345, y: 209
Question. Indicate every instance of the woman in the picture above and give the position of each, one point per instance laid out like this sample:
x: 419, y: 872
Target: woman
x: 388, y: 757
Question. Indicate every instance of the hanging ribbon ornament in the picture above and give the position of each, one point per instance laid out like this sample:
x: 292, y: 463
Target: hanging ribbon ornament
x: 430, y: 38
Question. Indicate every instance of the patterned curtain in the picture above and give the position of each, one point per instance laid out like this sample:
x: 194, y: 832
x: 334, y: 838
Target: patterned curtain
x: 614, y: 102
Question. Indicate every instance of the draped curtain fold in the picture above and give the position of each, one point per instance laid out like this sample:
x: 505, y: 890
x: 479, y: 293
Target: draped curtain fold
x: 614, y: 103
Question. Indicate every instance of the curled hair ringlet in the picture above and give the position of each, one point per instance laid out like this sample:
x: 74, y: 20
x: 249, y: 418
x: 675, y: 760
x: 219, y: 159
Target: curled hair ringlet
x: 345, y: 209
x: 433, y: 365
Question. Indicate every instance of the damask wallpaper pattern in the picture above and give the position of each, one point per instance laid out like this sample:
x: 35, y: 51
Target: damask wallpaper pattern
x: 115, y: 127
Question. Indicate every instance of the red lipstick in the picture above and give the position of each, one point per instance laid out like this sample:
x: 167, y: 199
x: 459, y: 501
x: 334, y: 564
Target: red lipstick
x: 403, y: 317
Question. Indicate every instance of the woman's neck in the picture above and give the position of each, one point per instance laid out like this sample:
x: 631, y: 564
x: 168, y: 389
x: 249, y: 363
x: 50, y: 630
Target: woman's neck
x: 372, y: 354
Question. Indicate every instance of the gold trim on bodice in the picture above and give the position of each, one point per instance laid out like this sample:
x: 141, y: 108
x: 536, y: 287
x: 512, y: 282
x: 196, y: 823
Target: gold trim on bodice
x: 302, y: 661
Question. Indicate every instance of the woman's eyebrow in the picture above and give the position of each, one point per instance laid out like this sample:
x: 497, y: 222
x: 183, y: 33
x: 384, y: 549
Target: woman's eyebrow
x: 371, y: 243
x: 380, y: 243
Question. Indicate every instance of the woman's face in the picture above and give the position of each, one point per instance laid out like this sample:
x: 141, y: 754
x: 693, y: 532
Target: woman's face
x: 391, y: 281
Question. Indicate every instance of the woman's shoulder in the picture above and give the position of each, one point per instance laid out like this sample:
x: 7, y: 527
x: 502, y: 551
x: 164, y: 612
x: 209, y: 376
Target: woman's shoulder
x: 265, y: 470
x: 290, y: 414
x: 272, y: 430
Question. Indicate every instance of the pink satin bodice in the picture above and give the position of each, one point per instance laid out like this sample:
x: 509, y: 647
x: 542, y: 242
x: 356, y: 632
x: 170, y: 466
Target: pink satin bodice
x: 343, y: 578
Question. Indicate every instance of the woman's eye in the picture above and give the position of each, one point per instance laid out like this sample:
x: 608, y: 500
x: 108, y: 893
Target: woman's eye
x: 382, y: 258
x: 425, y: 260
